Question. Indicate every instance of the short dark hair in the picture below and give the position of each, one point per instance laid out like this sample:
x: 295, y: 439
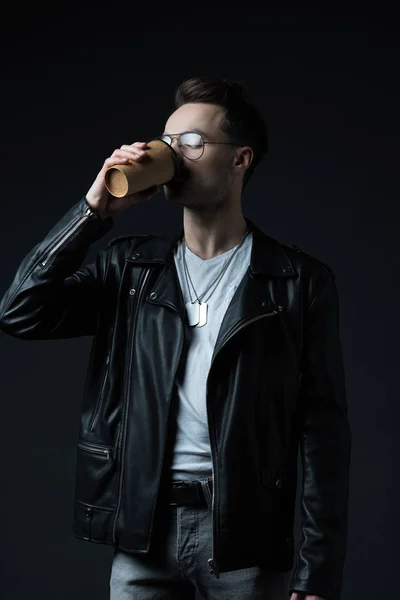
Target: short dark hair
x: 242, y: 122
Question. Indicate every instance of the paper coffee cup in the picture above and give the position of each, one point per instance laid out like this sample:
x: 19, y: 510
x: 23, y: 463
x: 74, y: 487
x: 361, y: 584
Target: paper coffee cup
x: 158, y: 167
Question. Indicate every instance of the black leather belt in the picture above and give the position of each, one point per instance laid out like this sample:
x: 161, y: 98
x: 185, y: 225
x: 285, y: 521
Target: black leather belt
x: 196, y: 492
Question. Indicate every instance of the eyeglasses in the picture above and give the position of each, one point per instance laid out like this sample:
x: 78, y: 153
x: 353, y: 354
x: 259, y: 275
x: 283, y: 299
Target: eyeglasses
x: 191, y: 143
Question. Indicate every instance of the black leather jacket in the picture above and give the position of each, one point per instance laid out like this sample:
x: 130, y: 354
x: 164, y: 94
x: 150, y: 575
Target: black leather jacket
x: 276, y: 384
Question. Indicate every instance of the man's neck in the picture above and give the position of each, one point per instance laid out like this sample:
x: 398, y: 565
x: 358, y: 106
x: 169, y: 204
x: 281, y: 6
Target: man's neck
x: 208, y: 235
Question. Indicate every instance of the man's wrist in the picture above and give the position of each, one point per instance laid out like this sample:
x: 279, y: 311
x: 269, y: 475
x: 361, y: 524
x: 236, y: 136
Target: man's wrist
x: 103, y: 216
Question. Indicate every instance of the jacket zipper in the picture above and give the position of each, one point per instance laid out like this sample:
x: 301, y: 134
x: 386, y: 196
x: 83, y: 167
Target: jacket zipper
x: 100, y: 397
x: 73, y: 226
x: 172, y: 386
x: 213, y: 564
x: 271, y: 314
x: 121, y: 441
x: 165, y: 439
x: 93, y: 449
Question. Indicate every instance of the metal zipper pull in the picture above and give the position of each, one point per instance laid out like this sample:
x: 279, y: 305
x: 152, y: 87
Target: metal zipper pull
x: 214, y: 570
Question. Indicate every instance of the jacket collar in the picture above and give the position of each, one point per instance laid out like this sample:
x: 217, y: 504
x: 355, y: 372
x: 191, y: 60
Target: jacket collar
x: 268, y: 256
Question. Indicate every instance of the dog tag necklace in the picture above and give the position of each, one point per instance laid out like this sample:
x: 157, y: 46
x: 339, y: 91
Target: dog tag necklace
x: 196, y: 310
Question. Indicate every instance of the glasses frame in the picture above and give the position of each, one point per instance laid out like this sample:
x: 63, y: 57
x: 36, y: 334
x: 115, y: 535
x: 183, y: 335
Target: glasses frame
x: 177, y: 137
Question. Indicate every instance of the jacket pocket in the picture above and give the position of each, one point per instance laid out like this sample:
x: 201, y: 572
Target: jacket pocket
x: 95, y: 477
x: 274, y: 479
x: 97, y: 450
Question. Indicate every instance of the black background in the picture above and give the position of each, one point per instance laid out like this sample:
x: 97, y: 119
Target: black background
x: 78, y: 83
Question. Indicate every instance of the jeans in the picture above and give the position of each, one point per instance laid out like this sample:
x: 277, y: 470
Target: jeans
x: 177, y: 565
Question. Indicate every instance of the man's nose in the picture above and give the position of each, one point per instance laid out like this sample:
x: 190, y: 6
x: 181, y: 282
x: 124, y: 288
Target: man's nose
x: 175, y: 145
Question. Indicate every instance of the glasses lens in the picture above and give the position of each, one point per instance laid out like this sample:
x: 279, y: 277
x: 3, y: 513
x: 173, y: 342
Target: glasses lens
x: 191, y: 145
x: 166, y: 139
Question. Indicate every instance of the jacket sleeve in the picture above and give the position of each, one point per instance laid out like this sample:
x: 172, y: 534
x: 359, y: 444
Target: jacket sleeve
x: 325, y: 447
x: 51, y: 295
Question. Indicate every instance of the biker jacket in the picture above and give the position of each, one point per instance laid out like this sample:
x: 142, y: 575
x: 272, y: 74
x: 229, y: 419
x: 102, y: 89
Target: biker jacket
x: 276, y: 385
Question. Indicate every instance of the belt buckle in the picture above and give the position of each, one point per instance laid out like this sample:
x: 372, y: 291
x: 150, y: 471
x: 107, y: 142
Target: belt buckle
x: 179, y: 484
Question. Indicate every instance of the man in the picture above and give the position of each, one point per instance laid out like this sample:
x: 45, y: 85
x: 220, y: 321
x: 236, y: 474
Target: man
x: 216, y: 356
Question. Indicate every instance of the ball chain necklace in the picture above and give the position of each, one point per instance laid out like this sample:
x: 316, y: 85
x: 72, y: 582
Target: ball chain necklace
x: 197, y: 310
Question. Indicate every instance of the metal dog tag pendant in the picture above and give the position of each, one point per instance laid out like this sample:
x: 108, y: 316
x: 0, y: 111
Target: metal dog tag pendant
x: 203, y: 310
x: 193, y: 313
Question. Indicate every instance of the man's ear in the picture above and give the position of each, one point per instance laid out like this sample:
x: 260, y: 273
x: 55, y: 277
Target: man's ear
x: 244, y: 157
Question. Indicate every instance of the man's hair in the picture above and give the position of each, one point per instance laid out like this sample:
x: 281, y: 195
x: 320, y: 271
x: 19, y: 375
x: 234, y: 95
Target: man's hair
x: 242, y: 122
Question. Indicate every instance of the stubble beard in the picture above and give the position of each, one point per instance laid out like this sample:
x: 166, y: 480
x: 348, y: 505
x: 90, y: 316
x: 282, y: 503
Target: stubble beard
x: 199, y: 201
x: 202, y: 200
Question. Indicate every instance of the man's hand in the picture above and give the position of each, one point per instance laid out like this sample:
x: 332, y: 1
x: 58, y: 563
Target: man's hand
x: 305, y: 596
x: 98, y: 197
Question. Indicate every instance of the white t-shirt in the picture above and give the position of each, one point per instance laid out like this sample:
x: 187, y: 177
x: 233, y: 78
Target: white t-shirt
x: 192, y: 453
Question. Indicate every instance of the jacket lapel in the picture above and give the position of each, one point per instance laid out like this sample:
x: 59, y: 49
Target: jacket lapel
x: 252, y: 299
